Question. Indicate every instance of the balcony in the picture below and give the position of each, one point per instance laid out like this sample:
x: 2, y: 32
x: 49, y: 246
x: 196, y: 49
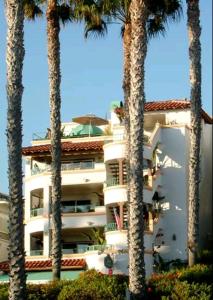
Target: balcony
x: 78, y: 249
x: 35, y: 212
x: 80, y: 165
x: 36, y: 252
x: 78, y: 208
x: 114, y: 227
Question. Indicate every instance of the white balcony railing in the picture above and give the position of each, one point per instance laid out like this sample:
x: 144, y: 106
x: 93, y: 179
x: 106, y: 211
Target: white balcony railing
x: 82, y: 165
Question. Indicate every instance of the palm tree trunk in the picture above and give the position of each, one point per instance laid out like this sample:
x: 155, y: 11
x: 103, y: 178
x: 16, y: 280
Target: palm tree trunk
x: 53, y: 29
x: 139, y: 16
x: 194, y: 31
x: 126, y: 78
x: 126, y: 90
x: 15, y: 58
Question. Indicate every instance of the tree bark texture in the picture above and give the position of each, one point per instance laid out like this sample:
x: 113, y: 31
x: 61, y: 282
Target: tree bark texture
x: 126, y: 90
x: 194, y: 31
x: 14, y: 60
x: 139, y: 15
x: 53, y: 30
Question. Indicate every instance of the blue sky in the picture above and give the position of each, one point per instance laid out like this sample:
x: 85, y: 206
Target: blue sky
x: 92, y: 73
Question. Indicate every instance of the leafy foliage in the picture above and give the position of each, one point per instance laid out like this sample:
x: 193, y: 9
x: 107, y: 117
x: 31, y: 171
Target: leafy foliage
x: 94, y: 286
x: 186, y: 283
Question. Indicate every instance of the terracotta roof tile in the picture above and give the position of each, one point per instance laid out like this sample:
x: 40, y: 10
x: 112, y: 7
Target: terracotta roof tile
x: 66, y: 263
x: 65, y: 147
x: 173, y: 105
x: 167, y: 105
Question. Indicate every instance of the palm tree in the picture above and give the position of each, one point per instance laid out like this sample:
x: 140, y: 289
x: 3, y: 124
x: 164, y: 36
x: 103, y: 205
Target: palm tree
x: 56, y: 11
x: 53, y: 29
x: 14, y: 59
x: 142, y: 18
x: 194, y: 31
x: 138, y: 50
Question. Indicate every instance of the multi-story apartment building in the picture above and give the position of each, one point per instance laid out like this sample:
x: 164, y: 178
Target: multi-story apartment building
x: 94, y: 192
x: 3, y: 226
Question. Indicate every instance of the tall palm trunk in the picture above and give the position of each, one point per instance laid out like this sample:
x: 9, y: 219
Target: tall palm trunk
x: 53, y: 29
x: 139, y: 16
x: 15, y: 57
x: 126, y: 90
x: 126, y: 78
x: 194, y: 31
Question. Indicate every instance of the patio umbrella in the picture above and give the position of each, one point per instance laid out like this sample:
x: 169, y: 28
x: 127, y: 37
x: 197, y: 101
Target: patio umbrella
x: 87, y: 130
x: 90, y: 119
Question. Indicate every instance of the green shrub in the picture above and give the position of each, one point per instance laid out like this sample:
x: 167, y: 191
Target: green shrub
x: 198, y: 274
x: 161, y: 285
x: 92, y: 285
x: 48, y: 291
x: 205, y: 257
x: 4, y: 291
x: 194, y: 291
x: 194, y: 283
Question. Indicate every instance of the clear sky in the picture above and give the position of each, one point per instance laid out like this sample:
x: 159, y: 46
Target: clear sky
x: 92, y: 73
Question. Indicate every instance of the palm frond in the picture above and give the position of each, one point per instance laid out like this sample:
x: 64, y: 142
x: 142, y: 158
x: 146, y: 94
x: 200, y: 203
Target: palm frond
x: 95, y: 30
x: 64, y: 13
x: 32, y: 9
x: 160, y: 13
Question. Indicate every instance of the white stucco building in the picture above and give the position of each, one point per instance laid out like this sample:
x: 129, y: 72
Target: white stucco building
x: 3, y: 226
x: 94, y: 195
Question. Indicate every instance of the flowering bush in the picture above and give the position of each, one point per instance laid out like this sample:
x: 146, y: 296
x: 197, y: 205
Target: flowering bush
x: 186, y: 283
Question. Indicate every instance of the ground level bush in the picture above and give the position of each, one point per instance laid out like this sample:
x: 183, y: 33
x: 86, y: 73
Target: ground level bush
x: 185, y: 284
x: 182, y: 284
x: 95, y: 286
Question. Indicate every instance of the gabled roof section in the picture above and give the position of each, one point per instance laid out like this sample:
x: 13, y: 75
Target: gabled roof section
x: 173, y: 105
x: 65, y: 147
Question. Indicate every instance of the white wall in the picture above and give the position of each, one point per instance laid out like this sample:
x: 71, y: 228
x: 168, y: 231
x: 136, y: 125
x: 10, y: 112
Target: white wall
x: 3, y: 230
x: 115, y: 194
x: 3, y: 250
x: 174, y: 187
x: 95, y: 260
x: 178, y: 117
x: 206, y: 203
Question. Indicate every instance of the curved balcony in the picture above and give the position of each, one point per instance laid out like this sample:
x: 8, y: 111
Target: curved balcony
x: 114, y: 150
x: 117, y: 150
x: 114, y: 194
x: 36, y: 224
x: 69, y: 177
x: 116, y: 236
x: 97, y: 218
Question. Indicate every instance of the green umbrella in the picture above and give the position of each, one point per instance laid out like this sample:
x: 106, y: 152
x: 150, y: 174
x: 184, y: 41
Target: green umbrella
x: 86, y: 130
x: 91, y: 120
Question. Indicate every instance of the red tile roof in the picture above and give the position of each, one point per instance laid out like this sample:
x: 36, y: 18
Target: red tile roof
x: 173, y: 105
x: 166, y: 105
x: 34, y: 265
x: 65, y: 147
x: 98, y: 145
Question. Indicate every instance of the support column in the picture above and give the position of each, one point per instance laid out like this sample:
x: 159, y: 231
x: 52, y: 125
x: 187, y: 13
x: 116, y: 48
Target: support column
x: 46, y: 240
x: 121, y: 209
x: 46, y: 200
x: 27, y: 242
x: 27, y: 204
x: 46, y: 214
x: 120, y: 163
